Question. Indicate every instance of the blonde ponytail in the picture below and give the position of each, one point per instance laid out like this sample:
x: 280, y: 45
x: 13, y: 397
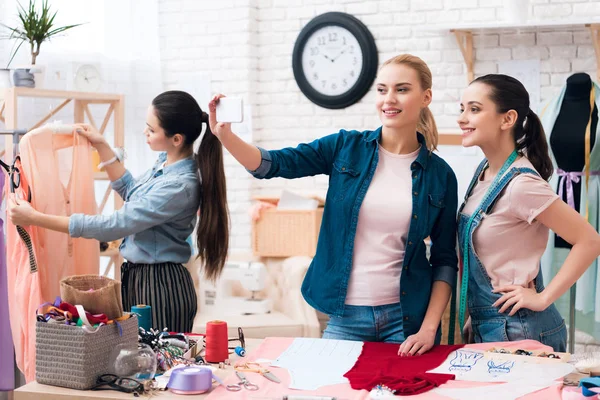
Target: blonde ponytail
x: 428, y: 128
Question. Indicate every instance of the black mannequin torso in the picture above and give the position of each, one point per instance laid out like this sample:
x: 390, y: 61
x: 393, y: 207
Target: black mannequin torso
x: 568, y: 135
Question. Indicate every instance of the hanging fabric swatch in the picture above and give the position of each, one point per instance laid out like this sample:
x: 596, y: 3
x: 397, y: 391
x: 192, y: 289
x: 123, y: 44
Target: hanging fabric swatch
x: 55, y: 172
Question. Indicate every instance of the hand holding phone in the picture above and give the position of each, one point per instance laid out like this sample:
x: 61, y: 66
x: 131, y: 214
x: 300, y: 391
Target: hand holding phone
x: 230, y: 109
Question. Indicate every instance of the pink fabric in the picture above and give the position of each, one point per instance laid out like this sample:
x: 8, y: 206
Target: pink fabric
x: 511, y: 224
x: 257, y: 208
x: 58, y: 169
x: 271, y: 348
x: 381, y: 233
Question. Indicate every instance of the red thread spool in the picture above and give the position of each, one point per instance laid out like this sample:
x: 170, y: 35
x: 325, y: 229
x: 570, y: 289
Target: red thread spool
x: 217, y: 342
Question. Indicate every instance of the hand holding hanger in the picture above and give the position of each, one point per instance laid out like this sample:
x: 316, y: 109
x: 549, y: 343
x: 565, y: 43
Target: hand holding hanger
x: 21, y: 212
x: 91, y: 134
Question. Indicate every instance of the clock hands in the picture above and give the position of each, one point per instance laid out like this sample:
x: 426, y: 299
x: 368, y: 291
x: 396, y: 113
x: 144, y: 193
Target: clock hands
x: 342, y: 52
x: 336, y: 57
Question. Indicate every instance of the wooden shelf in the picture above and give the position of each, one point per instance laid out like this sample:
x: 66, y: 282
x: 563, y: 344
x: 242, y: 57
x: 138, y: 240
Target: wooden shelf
x: 81, y: 101
x: 464, y: 35
x: 101, y: 176
x: 502, y: 26
x: 450, y: 139
x: 63, y: 94
x: 109, y: 253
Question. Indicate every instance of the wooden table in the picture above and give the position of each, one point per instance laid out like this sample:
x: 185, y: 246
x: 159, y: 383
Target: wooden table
x: 37, y: 391
x: 270, y: 348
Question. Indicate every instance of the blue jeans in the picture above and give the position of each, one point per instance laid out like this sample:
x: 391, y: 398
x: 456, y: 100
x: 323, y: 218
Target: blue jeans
x: 367, y: 324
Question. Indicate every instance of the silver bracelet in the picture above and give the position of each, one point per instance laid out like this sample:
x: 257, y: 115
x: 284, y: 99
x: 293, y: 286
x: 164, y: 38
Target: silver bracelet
x: 119, y: 155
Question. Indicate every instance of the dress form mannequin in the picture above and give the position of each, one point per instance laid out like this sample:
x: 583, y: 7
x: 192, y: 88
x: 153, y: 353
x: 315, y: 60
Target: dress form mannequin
x: 568, y: 135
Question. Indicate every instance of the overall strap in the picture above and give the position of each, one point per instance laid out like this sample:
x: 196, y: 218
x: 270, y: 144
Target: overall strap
x: 498, y: 184
x: 482, y: 165
x: 490, y: 202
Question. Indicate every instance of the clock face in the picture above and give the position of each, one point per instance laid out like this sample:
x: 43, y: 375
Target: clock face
x: 332, y: 60
x: 87, y: 78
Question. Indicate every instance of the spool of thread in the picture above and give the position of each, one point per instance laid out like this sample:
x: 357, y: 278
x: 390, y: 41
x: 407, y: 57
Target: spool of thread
x: 144, y: 314
x: 239, y: 350
x: 217, y: 343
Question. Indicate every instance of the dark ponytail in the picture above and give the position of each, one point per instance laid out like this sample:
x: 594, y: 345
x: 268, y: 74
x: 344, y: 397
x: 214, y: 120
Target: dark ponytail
x: 179, y: 113
x: 534, y: 145
x: 530, y: 140
x: 213, y: 227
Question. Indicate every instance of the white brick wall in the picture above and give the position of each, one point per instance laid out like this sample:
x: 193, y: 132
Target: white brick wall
x: 251, y: 57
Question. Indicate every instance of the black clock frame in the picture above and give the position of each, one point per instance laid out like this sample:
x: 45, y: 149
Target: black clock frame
x: 369, y: 63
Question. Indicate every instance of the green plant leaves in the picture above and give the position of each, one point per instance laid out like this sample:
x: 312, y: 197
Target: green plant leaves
x: 36, y: 26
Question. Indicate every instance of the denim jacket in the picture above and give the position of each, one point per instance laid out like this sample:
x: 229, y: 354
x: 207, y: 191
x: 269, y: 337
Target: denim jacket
x: 158, y: 216
x: 350, y: 159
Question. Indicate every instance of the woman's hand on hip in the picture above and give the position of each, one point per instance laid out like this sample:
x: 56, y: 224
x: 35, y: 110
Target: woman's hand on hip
x: 519, y: 297
x: 21, y: 213
x: 418, y: 343
x: 217, y: 128
x: 91, y: 134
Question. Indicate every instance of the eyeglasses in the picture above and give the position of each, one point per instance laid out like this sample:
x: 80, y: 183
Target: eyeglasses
x: 126, y: 385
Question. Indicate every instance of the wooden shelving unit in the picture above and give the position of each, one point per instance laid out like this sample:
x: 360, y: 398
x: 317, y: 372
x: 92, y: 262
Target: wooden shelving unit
x: 464, y: 35
x: 81, y: 101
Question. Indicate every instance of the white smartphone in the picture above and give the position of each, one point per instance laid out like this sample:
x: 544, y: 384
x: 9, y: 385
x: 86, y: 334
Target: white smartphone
x: 230, y: 109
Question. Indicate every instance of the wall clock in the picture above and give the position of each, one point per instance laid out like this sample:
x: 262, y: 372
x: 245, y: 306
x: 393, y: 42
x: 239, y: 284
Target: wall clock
x: 87, y: 78
x: 335, y: 60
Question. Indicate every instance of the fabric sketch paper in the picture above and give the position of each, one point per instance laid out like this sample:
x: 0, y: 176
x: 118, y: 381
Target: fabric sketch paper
x: 472, y: 365
x: 313, y: 363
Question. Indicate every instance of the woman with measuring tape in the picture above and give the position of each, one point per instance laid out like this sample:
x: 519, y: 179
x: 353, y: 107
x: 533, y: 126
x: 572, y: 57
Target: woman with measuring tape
x: 503, y: 223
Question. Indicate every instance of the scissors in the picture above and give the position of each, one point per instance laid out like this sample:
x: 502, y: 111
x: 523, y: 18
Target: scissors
x: 236, y: 387
x: 256, y: 367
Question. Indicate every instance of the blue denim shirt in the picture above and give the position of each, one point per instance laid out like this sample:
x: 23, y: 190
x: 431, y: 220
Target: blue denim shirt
x: 350, y: 159
x: 159, y: 214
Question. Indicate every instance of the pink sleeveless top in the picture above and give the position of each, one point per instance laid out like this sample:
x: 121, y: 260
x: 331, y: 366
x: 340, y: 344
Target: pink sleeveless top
x: 57, y: 169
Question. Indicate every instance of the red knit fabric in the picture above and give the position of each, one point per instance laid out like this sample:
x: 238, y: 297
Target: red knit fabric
x: 380, y: 364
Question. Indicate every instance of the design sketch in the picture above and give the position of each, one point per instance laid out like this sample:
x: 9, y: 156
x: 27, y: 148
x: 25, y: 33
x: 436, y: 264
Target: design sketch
x: 500, y: 368
x: 464, y: 360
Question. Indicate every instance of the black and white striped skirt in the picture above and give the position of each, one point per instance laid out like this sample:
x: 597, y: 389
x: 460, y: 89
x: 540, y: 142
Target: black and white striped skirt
x: 166, y: 287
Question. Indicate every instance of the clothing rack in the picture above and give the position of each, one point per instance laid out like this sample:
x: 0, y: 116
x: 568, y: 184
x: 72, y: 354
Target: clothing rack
x: 81, y: 104
x: 16, y: 134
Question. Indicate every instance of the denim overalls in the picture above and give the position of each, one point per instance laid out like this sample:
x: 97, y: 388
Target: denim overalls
x: 488, y: 325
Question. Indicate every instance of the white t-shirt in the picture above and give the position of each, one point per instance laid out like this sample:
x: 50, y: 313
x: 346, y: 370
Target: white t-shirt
x: 381, y: 234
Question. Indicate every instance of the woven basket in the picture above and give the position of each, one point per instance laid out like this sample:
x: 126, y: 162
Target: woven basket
x: 70, y: 357
x: 286, y: 233
x: 105, y: 298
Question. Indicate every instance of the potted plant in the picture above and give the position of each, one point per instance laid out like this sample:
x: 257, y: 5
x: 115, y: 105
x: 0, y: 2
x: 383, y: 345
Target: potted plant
x: 34, y: 28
